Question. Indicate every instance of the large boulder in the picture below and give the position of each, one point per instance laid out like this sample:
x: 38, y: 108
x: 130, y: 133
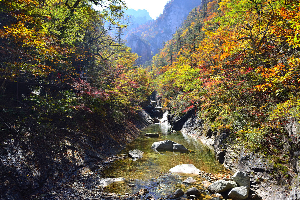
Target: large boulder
x: 177, y: 194
x: 239, y: 193
x: 185, y: 169
x: 178, y: 122
x: 221, y: 186
x: 242, y: 179
x: 168, y: 145
x: 135, y: 154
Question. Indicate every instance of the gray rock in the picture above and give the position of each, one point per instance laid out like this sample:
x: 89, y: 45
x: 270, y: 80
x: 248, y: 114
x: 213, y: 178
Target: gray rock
x: 107, y: 181
x: 185, y: 169
x: 221, y: 186
x: 180, y: 148
x: 189, y: 180
x: 168, y: 145
x: 152, y: 135
x: 178, y: 193
x: 145, y: 117
x: 193, y: 191
x: 242, y: 179
x: 239, y: 193
x: 135, y: 154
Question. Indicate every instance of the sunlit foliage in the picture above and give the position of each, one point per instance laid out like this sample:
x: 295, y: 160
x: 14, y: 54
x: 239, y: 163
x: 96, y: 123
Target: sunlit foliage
x: 243, y: 60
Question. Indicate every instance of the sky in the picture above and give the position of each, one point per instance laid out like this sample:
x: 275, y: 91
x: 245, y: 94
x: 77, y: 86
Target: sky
x: 154, y: 7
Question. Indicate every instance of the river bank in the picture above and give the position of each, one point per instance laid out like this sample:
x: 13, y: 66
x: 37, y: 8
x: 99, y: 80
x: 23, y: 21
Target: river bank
x: 73, y: 167
x: 265, y: 183
x: 65, y: 163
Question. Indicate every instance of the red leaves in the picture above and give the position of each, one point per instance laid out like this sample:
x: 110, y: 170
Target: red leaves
x: 84, y: 88
x: 188, y: 108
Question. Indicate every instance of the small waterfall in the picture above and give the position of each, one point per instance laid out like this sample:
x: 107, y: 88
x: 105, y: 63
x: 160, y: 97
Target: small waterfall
x: 164, y: 123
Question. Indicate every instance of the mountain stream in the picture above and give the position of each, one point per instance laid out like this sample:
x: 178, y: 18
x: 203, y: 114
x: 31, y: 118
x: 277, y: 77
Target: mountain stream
x: 151, y: 172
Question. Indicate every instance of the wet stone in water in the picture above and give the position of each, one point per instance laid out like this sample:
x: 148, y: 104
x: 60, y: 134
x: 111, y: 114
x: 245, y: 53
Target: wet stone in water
x: 152, y: 171
x: 193, y: 192
x: 135, y: 154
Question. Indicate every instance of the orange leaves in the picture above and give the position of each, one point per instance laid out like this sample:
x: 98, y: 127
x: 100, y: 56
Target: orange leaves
x: 223, y: 5
x: 211, y: 10
x: 278, y: 77
x: 264, y: 87
x: 247, y: 57
x: 289, y: 26
x: 272, y: 72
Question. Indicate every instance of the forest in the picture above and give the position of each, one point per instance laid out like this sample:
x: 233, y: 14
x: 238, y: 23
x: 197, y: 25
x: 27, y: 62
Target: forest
x: 59, y: 63
x: 235, y: 62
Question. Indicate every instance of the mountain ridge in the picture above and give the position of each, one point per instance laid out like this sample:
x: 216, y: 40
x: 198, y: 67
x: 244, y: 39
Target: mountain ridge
x: 157, y: 32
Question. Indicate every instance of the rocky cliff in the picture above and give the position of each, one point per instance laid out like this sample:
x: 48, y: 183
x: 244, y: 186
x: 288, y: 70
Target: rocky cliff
x: 268, y: 181
x: 137, y: 17
x: 141, y: 47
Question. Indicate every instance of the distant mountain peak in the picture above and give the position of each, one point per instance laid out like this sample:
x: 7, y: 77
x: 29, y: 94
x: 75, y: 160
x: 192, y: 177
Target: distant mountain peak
x: 142, y: 13
x: 157, y: 32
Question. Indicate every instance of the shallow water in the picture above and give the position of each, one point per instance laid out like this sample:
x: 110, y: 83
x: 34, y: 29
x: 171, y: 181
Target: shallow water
x: 151, y: 172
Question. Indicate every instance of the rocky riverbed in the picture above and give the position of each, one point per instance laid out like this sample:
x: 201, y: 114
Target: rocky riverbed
x: 170, y: 166
x: 76, y: 167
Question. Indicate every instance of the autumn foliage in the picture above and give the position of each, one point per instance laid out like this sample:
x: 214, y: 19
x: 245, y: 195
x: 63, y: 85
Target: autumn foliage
x: 66, y: 62
x: 237, y: 62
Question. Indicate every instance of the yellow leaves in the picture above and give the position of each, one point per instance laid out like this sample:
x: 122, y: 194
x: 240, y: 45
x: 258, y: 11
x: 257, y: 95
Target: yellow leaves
x: 224, y: 56
x: 132, y: 87
x: 223, y: 5
x: 28, y: 37
x: 185, y: 32
x: 128, y: 59
x: 40, y: 70
x: 252, y: 134
x: 18, y: 68
x: 28, y: 2
x: 281, y: 112
x: 18, y: 30
x: 287, y: 23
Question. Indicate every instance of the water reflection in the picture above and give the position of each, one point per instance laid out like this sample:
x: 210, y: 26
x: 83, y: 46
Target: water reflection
x: 151, y: 172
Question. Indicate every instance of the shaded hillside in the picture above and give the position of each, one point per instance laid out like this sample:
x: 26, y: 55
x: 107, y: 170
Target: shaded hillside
x: 156, y: 32
x: 67, y: 97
